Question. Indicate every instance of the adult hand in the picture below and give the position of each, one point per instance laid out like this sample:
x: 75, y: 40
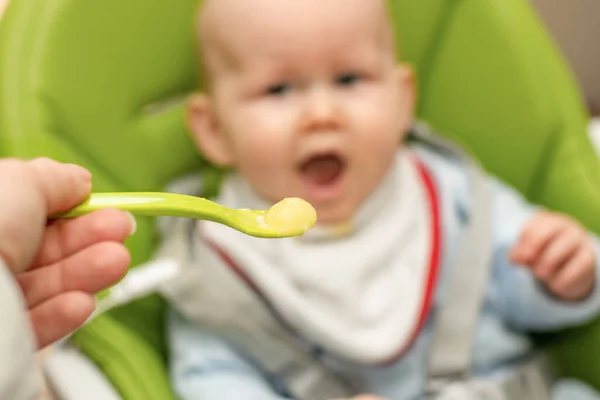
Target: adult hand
x: 59, y: 265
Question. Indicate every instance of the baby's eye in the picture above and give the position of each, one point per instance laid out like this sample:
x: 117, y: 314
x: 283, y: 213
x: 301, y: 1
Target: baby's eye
x: 347, y: 79
x: 279, y: 89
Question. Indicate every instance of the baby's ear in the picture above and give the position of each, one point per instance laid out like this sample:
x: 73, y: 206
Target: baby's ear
x: 406, y: 81
x: 206, y: 132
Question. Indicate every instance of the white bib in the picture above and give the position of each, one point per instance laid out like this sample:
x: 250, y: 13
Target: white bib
x: 362, y: 296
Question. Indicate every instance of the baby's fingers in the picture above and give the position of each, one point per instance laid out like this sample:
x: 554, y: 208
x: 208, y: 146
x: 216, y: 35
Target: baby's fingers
x: 536, y: 235
x: 557, y: 252
x: 576, y: 279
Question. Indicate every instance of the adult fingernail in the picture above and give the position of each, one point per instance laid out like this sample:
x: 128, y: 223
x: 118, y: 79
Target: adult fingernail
x: 133, y: 223
x: 81, y: 172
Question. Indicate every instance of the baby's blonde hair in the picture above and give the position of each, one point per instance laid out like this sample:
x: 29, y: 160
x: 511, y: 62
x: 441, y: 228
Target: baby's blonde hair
x: 201, y: 38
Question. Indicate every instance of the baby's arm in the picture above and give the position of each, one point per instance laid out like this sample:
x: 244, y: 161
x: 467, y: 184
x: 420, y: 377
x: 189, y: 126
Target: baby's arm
x: 205, y: 367
x: 526, y: 246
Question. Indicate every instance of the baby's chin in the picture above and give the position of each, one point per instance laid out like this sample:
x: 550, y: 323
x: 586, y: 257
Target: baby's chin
x: 338, y: 214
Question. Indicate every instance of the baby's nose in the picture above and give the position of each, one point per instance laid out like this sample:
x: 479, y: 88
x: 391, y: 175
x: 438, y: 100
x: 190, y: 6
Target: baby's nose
x: 323, y: 111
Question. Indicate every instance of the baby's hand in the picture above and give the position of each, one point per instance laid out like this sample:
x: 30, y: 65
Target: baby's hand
x: 560, y: 254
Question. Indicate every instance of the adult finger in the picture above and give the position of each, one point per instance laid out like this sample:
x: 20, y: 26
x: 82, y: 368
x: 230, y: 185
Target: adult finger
x: 60, y: 315
x: 90, y: 270
x: 66, y: 237
x: 28, y: 195
x: 62, y: 186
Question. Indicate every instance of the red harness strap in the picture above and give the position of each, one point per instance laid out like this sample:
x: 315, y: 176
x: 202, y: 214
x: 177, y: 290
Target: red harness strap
x: 434, y: 260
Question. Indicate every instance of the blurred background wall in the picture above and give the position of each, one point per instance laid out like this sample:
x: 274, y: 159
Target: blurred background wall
x: 575, y: 25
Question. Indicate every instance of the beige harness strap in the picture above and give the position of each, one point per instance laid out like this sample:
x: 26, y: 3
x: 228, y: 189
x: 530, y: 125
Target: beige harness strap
x: 456, y: 321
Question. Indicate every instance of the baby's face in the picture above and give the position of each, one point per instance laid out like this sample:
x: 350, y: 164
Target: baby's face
x: 306, y: 99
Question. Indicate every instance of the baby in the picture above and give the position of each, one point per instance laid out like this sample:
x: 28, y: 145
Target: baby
x: 307, y: 99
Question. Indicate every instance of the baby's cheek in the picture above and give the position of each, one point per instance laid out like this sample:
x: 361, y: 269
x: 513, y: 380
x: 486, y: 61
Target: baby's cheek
x: 264, y: 165
x: 263, y: 150
x: 255, y: 162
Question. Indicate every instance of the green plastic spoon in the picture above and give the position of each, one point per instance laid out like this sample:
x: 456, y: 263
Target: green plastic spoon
x: 290, y: 217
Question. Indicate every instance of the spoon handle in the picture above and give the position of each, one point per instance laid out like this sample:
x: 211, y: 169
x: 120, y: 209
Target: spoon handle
x: 151, y: 204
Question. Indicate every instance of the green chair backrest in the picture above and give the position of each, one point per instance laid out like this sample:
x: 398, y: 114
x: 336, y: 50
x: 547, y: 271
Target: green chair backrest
x: 102, y: 84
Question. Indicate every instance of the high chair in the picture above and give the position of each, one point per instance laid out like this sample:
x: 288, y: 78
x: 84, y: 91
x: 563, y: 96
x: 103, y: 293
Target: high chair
x: 103, y: 83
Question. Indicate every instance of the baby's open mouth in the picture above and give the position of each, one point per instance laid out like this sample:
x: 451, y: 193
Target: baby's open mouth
x: 323, y: 169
